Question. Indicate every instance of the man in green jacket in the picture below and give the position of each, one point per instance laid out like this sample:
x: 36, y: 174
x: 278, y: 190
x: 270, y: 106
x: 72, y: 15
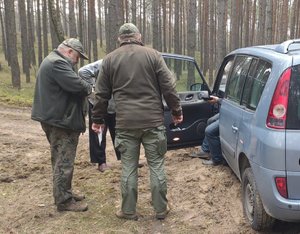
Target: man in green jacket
x: 58, y: 105
x: 138, y: 79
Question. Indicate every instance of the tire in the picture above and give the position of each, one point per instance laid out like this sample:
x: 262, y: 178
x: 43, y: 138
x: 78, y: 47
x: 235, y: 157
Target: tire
x: 253, y: 208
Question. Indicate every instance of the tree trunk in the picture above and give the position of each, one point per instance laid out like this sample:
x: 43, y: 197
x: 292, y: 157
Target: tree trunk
x: 24, y: 40
x: 100, y: 22
x: 261, y: 22
x: 11, y: 35
x: 39, y: 32
x: 31, y: 37
x: 45, y: 28
x: 72, y: 20
x: 191, y: 35
x: 4, y: 47
x: 269, y: 22
x: 114, y: 20
x: 133, y: 11
x: 155, y: 24
x: 205, y: 36
x: 58, y: 34
x: 221, y: 31
x: 92, y: 30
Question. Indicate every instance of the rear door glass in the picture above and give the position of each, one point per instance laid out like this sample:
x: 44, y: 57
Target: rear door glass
x: 257, y: 78
x: 237, y: 79
x: 293, y: 114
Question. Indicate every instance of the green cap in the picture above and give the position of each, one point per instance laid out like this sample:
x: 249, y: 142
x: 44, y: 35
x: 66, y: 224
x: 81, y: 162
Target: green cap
x: 75, y: 44
x: 128, y: 28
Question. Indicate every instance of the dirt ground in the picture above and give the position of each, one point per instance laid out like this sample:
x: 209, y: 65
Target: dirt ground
x: 204, y: 199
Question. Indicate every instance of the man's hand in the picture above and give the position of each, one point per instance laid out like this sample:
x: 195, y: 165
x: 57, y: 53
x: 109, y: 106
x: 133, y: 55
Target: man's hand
x: 97, y: 128
x: 213, y: 99
x: 177, y: 119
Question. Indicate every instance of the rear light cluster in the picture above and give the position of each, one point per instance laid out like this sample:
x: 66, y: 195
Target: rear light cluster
x: 278, y: 108
x: 281, y: 186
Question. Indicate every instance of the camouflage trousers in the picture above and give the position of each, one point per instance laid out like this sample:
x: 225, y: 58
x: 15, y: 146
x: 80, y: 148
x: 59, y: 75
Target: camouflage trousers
x: 128, y: 142
x: 63, y: 145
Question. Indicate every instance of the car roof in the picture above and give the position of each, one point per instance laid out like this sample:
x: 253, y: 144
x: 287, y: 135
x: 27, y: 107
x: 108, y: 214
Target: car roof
x: 290, y: 47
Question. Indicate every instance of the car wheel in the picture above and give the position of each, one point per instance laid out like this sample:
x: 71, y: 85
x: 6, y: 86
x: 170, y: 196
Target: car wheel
x: 252, y: 204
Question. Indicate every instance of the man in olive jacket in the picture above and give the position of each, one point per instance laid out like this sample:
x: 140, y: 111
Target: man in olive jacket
x: 58, y: 106
x: 138, y: 78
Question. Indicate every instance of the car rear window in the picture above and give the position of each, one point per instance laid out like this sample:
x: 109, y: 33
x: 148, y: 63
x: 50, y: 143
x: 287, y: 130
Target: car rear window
x: 293, y: 113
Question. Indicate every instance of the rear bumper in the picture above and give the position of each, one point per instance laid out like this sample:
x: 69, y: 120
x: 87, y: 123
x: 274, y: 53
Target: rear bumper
x: 274, y: 204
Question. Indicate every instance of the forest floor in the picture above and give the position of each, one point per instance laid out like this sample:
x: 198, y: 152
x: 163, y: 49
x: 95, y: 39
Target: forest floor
x: 204, y: 199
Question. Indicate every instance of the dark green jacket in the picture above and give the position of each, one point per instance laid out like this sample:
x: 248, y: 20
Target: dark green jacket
x: 138, y: 79
x: 59, y: 94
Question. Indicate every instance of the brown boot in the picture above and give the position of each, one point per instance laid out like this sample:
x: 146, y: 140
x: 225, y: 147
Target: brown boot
x: 122, y: 215
x: 72, y: 205
x: 78, y: 197
x: 163, y: 215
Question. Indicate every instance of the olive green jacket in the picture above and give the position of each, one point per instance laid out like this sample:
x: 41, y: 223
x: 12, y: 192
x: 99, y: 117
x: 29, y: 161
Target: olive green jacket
x: 138, y: 79
x: 60, y: 94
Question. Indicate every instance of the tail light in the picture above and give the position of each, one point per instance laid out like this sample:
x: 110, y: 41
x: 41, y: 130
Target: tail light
x: 278, y: 108
x: 281, y: 186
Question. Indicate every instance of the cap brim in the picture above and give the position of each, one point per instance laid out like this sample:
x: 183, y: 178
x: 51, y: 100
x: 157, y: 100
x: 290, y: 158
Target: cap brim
x: 84, y: 56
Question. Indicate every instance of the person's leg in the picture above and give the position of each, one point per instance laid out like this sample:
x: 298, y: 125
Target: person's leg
x: 128, y: 144
x: 155, y: 144
x: 97, y: 152
x: 205, y: 143
x: 213, y: 138
x: 63, y: 145
x: 111, y: 124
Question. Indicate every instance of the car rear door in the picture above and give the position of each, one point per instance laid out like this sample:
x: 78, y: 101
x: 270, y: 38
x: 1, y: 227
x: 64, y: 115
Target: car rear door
x: 231, y: 112
x: 196, y: 111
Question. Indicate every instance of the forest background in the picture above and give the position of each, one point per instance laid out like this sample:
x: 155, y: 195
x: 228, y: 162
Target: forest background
x: 206, y: 30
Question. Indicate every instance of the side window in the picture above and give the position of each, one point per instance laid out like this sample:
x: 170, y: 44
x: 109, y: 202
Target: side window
x: 237, y: 78
x: 225, y: 71
x: 186, y: 74
x: 256, y: 81
x: 249, y: 81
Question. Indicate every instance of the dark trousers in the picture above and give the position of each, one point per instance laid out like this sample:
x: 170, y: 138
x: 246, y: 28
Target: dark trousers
x: 97, y: 152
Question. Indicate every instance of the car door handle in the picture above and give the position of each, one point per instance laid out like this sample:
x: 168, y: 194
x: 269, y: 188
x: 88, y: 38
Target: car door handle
x: 234, y: 129
x: 189, y: 97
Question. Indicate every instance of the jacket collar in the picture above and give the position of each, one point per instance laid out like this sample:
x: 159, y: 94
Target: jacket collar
x: 131, y: 41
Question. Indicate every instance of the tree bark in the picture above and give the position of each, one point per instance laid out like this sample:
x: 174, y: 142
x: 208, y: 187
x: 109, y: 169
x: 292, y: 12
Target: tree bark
x: 31, y: 37
x: 24, y: 40
x: 45, y: 28
x: 39, y: 32
x: 72, y: 20
x: 11, y: 35
x: 58, y: 32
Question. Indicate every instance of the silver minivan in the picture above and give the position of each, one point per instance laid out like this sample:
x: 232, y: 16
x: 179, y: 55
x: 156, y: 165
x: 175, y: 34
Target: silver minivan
x: 259, y: 124
x: 260, y: 129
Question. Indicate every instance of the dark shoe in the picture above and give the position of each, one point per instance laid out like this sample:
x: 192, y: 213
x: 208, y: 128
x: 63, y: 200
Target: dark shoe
x: 72, y: 206
x: 78, y: 197
x: 122, y: 215
x: 212, y: 163
x: 103, y: 167
x: 163, y: 215
x: 201, y: 155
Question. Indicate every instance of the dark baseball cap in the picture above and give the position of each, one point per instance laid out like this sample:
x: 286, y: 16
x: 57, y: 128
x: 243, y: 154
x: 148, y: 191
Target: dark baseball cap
x: 128, y: 28
x: 75, y: 44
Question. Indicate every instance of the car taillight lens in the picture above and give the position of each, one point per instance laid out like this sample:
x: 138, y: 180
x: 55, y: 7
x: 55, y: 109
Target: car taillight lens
x: 281, y: 186
x: 278, y: 108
